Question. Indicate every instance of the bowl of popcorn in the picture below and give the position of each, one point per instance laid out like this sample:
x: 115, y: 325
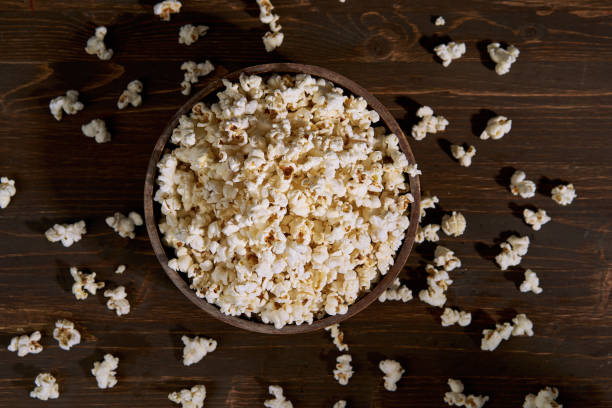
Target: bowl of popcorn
x: 283, y: 198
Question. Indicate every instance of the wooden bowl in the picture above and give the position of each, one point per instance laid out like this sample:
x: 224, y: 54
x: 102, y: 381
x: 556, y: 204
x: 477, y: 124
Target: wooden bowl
x: 152, y: 212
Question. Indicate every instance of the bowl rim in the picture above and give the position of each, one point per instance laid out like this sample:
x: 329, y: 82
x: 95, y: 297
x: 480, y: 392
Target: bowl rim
x: 250, y: 324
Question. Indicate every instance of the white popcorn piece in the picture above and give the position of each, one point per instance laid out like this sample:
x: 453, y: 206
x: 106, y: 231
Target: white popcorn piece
x: 476, y: 401
x: 97, y: 129
x: 449, y: 52
x: 125, y: 226
x: 7, y: 190
x: 392, y: 371
x: 413, y: 170
x: 497, y: 127
x: 131, y: 95
x: 117, y: 300
x: 531, y: 283
x: 445, y: 258
x: 563, y: 194
x: 344, y: 370
x: 68, y: 104
x: 66, y: 335
x: 120, y: 269
x: 189, y: 398
x: 166, y: 8
x: 427, y: 233
x: 105, y: 371
x: 452, y: 316
x: 438, y: 282
x: 457, y: 398
x: 433, y: 296
x: 279, y: 400
x: 453, y: 224
x: 95, y: 45
x: 522, y: 326
x: 428, y: 202
x: 428, y: 124
x: 512, y: 251
x: 273, y: 38
x: 46, y: 387
x: 196, y: 349
x: 545, y: 399
x: 188, y: 34
x: 193, y: 72
x: 520, y: 186
x: 68, y: 234
x: 493, y: 338
x: 503, y: 58
x: 396, y: 291
x: 340, y: 403
x: 25, y: 344
x: 440, y: 21
x: 337, y: 336
x: 83, y: 283
x: 535, y: 219
x: 463, y: 156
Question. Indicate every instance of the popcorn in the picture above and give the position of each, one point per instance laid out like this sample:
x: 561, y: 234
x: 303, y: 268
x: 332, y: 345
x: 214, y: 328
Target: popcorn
x: 193, y: 72
x: 46, y: 387
x: 502, y: 58
x: 438, y: 282
x: 279, y: 400
x: 512, y: 251
x: 449, y: 52
x: 196, y: 349
x: 273, y: 38
x: 522, y: 326
x: 7, y: 190
x: 563, y: 194
x: 117, y: 301
x: 428, y: 202
x: 413, y: 170
x: 428, y: 124
x: 167, y: 7
x: 66, y: 335
x: 427, y: 233
x: 493, y: 338
x: 189, y: 398
x: 451, y: 316
x: 104, y: 371
x: 68, y: 234
x: 475, y: 401
x: 535, y: 219
x: 531, y: 283
x: 455, y: 396
x: 97, y: 129
x: 464, y: 156
x: 120, y: 269
x: 446, y: 259
x: 131, y: 95
x: 393, y: 372
x: 440, y: 21
x: 454, y: 224
x: 95, y: 45
x: 188, y: 34
x: 84, y: 283
x: 124, y: 226
x: 344, y: 370
x: 68, y: 104
x: 396, y: 291
x: 545, y: 399
x: 520, y: 186
x: 497, y: 127
x: 25, y: 344
x: 337, y: 336
x: 341, y: 403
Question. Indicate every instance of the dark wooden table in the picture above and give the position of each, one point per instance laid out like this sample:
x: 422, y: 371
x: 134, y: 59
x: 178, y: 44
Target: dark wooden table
x: 558, y: 95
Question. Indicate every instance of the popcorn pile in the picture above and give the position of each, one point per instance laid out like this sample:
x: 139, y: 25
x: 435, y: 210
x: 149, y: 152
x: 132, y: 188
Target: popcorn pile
x: 273, y: 38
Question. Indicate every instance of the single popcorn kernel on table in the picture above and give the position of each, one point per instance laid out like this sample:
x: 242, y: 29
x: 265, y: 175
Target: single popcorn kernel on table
x: 531, y: 283
x: 563, y: 194
x: 337, y: 336
x: 96, y: 46
x: 457, y: 398
x: 452, y: 316
x: 196, y: 349
x: 281, y: 200
x: 66, y: 335
x: 97, y: 129
x: 440, y: 21
x: 189, y: 398
x: 105, y: 371
x: 279, y: 400
x: 497, y: 127
x: 84, y: 283
x: 520, y: 186
x: 463, y: 156
x: 46, y: 387
x: 545, y: 399
x: 69, y: 104
x: 188, y: 34
x: 131, y: 95
x: 512, y: 251
x: 165, y: 8
x: 25, y: 344
x: 7, y: 190
x: 68, y: 234
x: 454, y: 224
x: 449, y: 52
x: 344, y: 370
x: 117, y: 301
x: 193, y: 72
x: 493, y: 338
x: 502, y: 58
x: 428, y: 201
x: 396, y: 291
x: 340, y: 404
x: 120, y: 269
x: 392, y: 371
x: 125, y: 226
x: 522, y: 326
x: 428, y: 124
x: 445, y: 258
x: 535, y: 219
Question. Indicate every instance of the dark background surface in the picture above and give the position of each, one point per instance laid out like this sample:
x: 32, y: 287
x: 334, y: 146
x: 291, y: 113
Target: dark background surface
x: 558, y: 95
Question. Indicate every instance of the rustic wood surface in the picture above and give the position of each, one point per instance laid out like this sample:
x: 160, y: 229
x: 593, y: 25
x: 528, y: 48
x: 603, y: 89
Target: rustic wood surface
x: 558, y: 95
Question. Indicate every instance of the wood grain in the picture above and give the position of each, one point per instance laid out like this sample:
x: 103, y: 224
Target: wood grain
x: 558, y: 94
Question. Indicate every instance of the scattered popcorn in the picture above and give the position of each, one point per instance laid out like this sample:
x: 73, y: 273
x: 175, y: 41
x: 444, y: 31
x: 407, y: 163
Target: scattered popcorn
x: 124, y: 226
x: 531, y: 283
x: 545, y: 399
x: 440, y: 21
x: 438, y: 282
x: 563, y: 194
x: 427, y: 233
x: 512, y: 251
x: 396, y: 291
x: 7, y: 190
x: 193, y: 72
x: 446, y: 259
x: 131, y: 95
x: 522, y: 326
x: 66, y: 335
x: 520, y: 186
x: 535, y: 219
x: 451, y: 316
x: 454, y: 224
x: 464, y: 156
x: 97, y: 129
x: 279, y: 400
x: 449, y: 52
x: 188, y: 34
x: 120, y: 269
x: 341, y: 403
x: 195, y: 349
x: 117, y: 301
x: 492, y: 338
x: 95, y: 45
x: 344, y: 370
x: 497, y: 127
x: 25, y: 344
x: 68, y: 104
x: 428, y: 124
x: 68, y: 234
x: 193, y: 398
x: 46, y: 387
x: 167, y: 7
x: 273, y: 38
x: 428, y: 202
x: 502, y: 58
x: 104, y: 371
x: 84, y: 283
x: 337, y: 336
x: 393, y: 372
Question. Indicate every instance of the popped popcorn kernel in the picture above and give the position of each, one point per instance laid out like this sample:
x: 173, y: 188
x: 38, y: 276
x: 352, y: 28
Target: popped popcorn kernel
x: 563, y: 194
x: 83, y: 283
x: 457, y: 398
x: 449, y: 52
x: 337, y: 336
x: 120, y: 269
x: 25, y: 344
x: 97, y: 129
x: 531, y: 283
x: 492, y: 338
x: 427, y: 202
x: 196, y: 349
x: 193, y: 72
x: 428, y: 124
x: 117, y: 300
x: 503, y: 58
x: 497, y: 127
x: 68, y: 104
x: 7, y: 190
x: 545, y: 399
x: 125, y: 226
x: 95, y: 45
x: 131, y: 95
x: 166, y: 8
x: 189, y: 398
x: 344, y: 370
x: 279, y: 400
x: 522, y: 326
x: 66, y: 335
x: 105, y: 371
x: 452, y: 316
x: 446, y: 259
x: 520, y: 186
x: 46, y: 387
x: 440, y: 21
x: 392, y: 371
x: 188, y: 34
x: 427, y: 233
x: 453, y: 224
x: 68, y: 234
x: 535, y: 219
x: 463, y: 156
x: 396, y: 291
x: 512, y: 252
x: 340, y: 403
